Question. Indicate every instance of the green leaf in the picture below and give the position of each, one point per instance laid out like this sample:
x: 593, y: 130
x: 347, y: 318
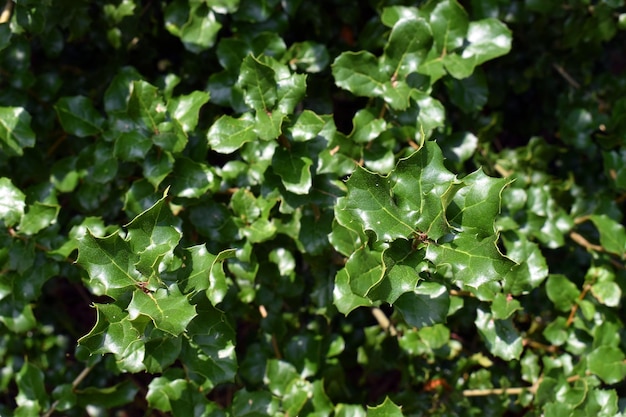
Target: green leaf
x: 228, y: 134
x: 195, y: 24
x: 110, y: 264
x: 38, y: 217
x: 157, y: 166
x: 145, y: 106
x: 449, y: 24
x: 293, y: 169
x: 406, y: 48
x: 475, y: 206
x: 258, y: 83
x: 115, y: 333
x: 31, y: 389
x: 308, y: 56
x: 186, y: 109
x: 253, y: 404
x: 425, y: 306
x: 607, y: 362
x: 153, y: 237
x: 501, y: 337
x: 612, y: 234
x: 470, y: 260
x: 12, y: 203
x: 358, y: 73
x: 208, y: 349
x: 503, y: 307
x: 366, y: 126
x: 343, y: 297
x: 607, y: 293
x: 365, y: 269
x: 268, y: 125
x: 15, y: 130
x: 309, y: 125
x: 386, y: 409
x: 488, y: 38
x: 132, y: 146
x: 181, y: 397
x: 78, y: 116
x: 207, y: 273
x: 562, y: 292
x: 108, y: 397
x: 168, y: 309
x: 192, y: 179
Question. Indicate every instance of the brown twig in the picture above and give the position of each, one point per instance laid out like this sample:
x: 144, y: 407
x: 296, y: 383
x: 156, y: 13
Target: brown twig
x: 384, y: 322
x: 75, y: 385
x: 277, y: 353
x: 578, y: 238
x: 5, y: 16
x: 566, y: 76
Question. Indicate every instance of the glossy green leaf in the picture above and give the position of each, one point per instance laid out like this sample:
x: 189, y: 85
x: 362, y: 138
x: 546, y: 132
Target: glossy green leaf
x: 196, y: 26
x: 387, y: 409
x: 157, y: 166
x: 15, y: 130
x: 449, y: 24
x: 179, y: 396
x: 78, y: 116
x: 426, y: 306
x: 258, y: 83
x: 308, y: 56
x: 12, y: 202
x: 110, y: 264
x: 168, y: 309
x: 145, y: 105
x: 562, y: 292
x: 115, y: 333
x: 475, y: 206
x: 607, y: 293
x: 38, y: 217
x: 132, y: 146
x: 207, y: 273
x: 406, y: 48
x: 502, y: 339
x: 186, y: 109
x: 472, y: 261
x: 108, y: 397
x: 608, y: 363
x: 293, y: 169
x: 208, y: 349
x: 488, y: 38
x: 228, y: 134
x: 32, y: 392
x: 343, y: 297
x: 612, y: 234
x: 253, y: 404
x: 504, y: 306
x: 358, y: 73
x: 192, y: 179
x: 153, y: 237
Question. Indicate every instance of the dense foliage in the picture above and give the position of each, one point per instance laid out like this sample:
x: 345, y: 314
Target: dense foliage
x: 316, y: 208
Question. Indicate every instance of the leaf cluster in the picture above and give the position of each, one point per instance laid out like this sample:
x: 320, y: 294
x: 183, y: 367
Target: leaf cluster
x: 262, y: 207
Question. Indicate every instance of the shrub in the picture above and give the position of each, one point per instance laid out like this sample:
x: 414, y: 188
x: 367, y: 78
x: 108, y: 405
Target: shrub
x: 263, y: 207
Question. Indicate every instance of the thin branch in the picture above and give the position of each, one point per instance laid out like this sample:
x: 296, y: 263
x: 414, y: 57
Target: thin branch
x: 566, y: 76
x: 383, y: 321
x: 277, y: 353
x: 5, y: 16
x: 75, y: 385
x: 498, y: 391
x: 572, y: 313
x: 578, y: 238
